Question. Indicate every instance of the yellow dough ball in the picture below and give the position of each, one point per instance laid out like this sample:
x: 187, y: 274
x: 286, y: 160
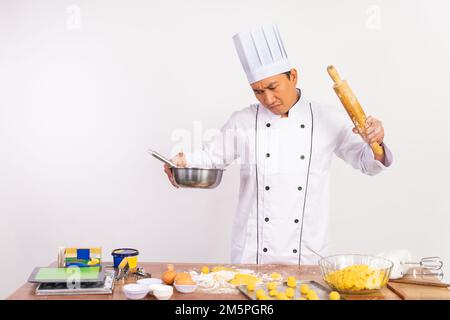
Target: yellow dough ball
x: 281, y: 296
x: 304, y: 289
x: 312, y: 295
x: 251, y: 287
x: 290, y: 292
x: 291, y: 282
x: 301, y: 298
x: 259, y: 293
x: 271, y: 285
x: 205, y: 270
x: 334, y: 295
x: 273, y: 292
x: 275, y: 275
x: 264, y: 297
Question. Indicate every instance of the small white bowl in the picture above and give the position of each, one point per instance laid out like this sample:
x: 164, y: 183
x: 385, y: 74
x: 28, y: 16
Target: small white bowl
x: 162, y: 292
x: 149, y: 282
x: 135, y: 291
x: 153, y: 286
x: 185, y: 288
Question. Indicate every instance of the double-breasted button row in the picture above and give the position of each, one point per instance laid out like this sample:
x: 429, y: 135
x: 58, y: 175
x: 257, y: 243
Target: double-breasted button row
x: 301, y: 125
x: 298, y: 188
x: 268, y: 156
x: 294, y: 251
x: 302, y: 157
x: 266, y: 219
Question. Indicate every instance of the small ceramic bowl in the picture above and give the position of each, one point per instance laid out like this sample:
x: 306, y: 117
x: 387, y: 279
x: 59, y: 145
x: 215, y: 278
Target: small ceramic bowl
x: 135, y: 291
x: 149, y: 282
x: 162, y: 292
x: 185, y: 288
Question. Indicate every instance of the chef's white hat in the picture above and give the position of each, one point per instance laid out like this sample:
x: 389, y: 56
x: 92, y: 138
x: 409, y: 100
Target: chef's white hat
x: 261, y: 52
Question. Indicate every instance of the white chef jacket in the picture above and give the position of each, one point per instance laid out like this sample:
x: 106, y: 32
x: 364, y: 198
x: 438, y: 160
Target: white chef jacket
x: 284, y: 201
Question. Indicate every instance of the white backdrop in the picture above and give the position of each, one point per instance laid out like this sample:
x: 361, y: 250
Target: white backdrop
x: 86, y: 87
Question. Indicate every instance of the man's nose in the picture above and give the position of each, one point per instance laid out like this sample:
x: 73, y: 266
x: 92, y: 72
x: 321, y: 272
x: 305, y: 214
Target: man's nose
x: 269, y: 98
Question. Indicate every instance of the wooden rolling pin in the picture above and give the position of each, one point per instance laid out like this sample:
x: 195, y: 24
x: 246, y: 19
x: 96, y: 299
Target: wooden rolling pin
x: 351, y: 104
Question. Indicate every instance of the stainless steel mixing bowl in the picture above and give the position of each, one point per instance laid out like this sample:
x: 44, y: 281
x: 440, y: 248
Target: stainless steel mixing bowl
x: 192, y: 177
x: 197, y: 177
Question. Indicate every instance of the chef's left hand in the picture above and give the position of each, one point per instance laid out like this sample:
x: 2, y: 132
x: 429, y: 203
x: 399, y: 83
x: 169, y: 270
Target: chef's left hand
x: 374, y: 131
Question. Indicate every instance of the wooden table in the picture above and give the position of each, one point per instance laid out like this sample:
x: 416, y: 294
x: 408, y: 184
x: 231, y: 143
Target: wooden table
x: 26, y: 292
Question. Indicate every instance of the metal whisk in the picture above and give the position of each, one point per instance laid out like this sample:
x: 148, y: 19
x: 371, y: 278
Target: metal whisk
x: 431, y: 266
x: 428, y: 263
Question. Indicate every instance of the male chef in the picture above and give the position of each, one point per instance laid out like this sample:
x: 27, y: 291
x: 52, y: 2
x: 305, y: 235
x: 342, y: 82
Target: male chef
x: 285, y: 144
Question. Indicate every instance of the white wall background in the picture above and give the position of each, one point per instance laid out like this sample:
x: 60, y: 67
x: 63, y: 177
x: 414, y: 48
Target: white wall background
x: 82, y: 97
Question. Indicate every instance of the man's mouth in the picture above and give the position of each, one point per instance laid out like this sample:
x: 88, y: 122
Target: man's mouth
x: 274, y: 106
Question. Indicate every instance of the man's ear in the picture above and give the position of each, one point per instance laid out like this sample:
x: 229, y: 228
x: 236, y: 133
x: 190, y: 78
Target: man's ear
x: 294, y: 76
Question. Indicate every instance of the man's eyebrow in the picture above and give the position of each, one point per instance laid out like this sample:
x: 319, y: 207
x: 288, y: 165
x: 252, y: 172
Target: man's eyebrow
x: 271, y: 85
x: 267, y: 87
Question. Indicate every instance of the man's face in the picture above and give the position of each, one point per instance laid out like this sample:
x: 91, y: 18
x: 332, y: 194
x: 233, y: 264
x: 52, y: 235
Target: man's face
x: 277, y: 93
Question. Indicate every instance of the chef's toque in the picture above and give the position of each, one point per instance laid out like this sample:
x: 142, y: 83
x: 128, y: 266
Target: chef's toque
x: 261, y: 52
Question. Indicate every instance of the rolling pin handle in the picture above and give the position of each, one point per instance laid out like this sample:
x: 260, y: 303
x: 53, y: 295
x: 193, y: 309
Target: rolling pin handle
x: 334, y: 74
x: 377, y: 149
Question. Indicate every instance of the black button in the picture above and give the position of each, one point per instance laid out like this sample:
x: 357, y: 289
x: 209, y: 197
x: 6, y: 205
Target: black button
x: 267, y: 125
x: 265, y: 249
x: 267, y: 155
x: 294, y: 251
x: 302, y: 157
x: 266, y: 219
x: 299, y: 188
x: 296, y: 220
x: 267, y: 187
x: 302, y: 126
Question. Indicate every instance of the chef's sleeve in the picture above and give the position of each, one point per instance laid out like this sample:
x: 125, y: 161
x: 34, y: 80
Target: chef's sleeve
x: 352, y: 149
x: 220, y: 151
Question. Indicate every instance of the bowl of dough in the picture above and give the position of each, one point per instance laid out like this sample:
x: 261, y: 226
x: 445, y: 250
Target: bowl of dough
x: 355, y: 273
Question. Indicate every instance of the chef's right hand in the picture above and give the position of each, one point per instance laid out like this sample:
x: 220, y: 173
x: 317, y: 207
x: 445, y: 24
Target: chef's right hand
x: 180, y: 161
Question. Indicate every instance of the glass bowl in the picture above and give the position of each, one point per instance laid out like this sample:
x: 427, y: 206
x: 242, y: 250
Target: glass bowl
x: 355, y: 273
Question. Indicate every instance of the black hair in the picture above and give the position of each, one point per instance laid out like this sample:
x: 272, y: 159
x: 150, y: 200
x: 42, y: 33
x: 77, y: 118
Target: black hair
x: 288, y: 74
